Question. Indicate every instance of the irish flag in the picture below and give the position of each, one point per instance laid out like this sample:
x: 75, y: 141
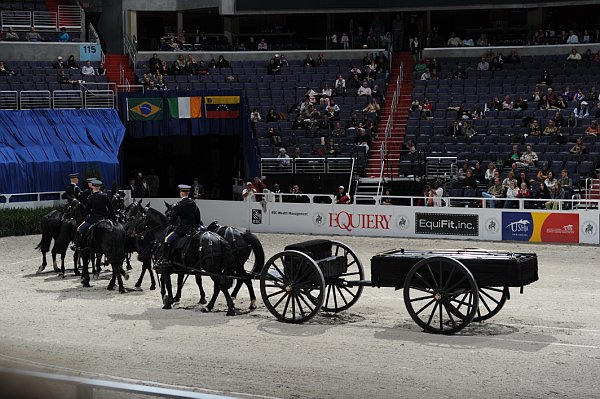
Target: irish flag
x: 185, y: 107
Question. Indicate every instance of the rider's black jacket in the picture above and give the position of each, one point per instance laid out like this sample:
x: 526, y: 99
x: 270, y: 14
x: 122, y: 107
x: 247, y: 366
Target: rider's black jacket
x: 185, y: 216
x: 99, y: 207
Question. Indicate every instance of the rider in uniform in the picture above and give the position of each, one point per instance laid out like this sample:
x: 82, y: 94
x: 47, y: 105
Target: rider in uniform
x: 88, y: 191
x: 185, y: 217
x: 73, y: 191
x: 98, y: 208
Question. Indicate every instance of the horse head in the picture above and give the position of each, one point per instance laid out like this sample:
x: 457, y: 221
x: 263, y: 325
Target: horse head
x: 74, y: 210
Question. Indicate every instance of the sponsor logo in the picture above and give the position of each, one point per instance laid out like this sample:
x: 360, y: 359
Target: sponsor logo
x: 492, y: 225
x: 589, y: 229
x: 350, y: 221
x: 517, y: 226
x: 256, y: 216
x: 318, y: 219
x: 560, y: 228
x: 402, y: 222
x: 447, y: 224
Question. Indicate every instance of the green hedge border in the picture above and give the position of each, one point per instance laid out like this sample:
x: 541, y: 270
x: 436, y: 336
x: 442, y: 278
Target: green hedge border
x: 21, y: 221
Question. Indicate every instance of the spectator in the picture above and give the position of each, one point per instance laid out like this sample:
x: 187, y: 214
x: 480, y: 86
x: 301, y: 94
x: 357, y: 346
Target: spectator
x: 469, y: 181
x: 341, y: 197
x: 364, y: 139
x: 528, y: 158
x: 262, y: 45
x: 573, y: 38
x: 297, y: 195
x: 482, y: 41
x: 593, y: 128
x: 154, y: 63
x: 579, y: 148
x: 345, y: 40
x: 468, y: 131
x: 284, y: 159
x: 88, y: 69
x: 11, y: 35
x: 468, y: 42
x: 525, y: 194
x: 512, y: 194
x: 5, y: 71
x: 495, y: 191
x: 557, y: 194
x: 197, y: 190
x: 255, y: 116
x: 534, y: 128
x: 490, y: 173
x: 222, y: 62
x: 593, y: 95
x: 364, y: 89
x: 483, y: 65
x: 338, y: 130
x: 520, y: 104
x: 545, y: 79
x: 340, y: 86
x: 62, y: 78
x: 454, y: 41
x: 580, y: 95
x: 372, y: 106
x: 101, y: 71
x: 309, y: 61
x: 33, y: 36
x: 63, y: 35
x: 248, y: 194
x: 574, y: 55
x: 507, y: 104
x: 321, y: 60
x: 433, y: 194
x: 509, y: 179
x: 415, y: 49
x: 513, y: 57
x: 582, y: 110
x: 386, y: 199
x: 71, y: 63
x: 426, y: 75
x: 550, y: 129
x: 456, y: 129
x: 271, y: 115
x: 460, y: 73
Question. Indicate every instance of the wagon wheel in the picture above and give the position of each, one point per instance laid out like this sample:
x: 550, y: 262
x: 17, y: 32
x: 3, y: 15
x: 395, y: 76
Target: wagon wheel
x: 441, y: 295
x: 292, y: 286
x: 491, y: 300
x: 338, y: 295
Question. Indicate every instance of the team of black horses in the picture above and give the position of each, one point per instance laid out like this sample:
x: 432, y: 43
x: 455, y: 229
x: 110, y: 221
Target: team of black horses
x: 223, y: 253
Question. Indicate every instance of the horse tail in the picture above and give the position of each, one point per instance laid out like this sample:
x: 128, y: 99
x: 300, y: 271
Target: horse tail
x: 259, y: 252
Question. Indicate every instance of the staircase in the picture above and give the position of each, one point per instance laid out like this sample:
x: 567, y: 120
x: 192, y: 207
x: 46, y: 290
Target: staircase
x: 590, y: 193
x: 398, y: 119
x: 113, y: 63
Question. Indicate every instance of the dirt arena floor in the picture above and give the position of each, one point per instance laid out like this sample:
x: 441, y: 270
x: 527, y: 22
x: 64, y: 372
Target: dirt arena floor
x: 543, y: 344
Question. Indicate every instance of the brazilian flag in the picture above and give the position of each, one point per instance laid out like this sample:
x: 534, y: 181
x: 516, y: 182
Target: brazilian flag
x: 144, y: 109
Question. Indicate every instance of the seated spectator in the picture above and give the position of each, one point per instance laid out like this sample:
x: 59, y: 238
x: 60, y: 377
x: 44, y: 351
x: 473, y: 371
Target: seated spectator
x: 513, y: 57
x: 512, y: 195
x: 11, y: 35
x: 580, y: 95
x: 483, y: 65
x: 88, y: 69
x: 341, y: 197
x: 202, y: 69
x: 63, y: 35
x: 326, y: 94
x: 507, y: 104
x: 545, y: 79
x: 297, y: 153
x: 5, y: 71
x: 372, y: 106
x: 273, y: 68
x: 550, y: 129
x: 568, y: 94
x: 33, y: 36
x: 528, y: 158
x: 520, y: 104
x: 477, y: 112
x: 462, y: 172
x: 559, y: 119
x: 274, y: 136
x: 579, y: 148
x: 468, y: 131
x: 427, y: 110
x: 377, y: 94
x: 255, y: 116
x: 353, y: 122
x: 574, y: 55
x: 386, y: 199
x: 525, y: 194
x: 490, y: 173
x: 191, y: 66
x: 557, y: 194
x: 62, y: 78
x: 456, y: 129
x: 593, y: 129
x: 340, y: 86
x: 363, y: 139
x: 284, y: 159
x: 497, y: 63
x: 309, y: 61
x: 454, y: 41
x: 248, y: 193
x: 468, y: 42
x: 312, y: 127
x: 482, y: 41
x: 333, y: 110
x: 572, y: 121
x: 71, y: 63
x: 271, y: 115
x: 460, y: 73
x: 426, y: 75
x: 222, y: 62
x: 534, y: 128
x: 593, y: 94
x: 510, y: 179
x: 154, y: 63
x: 321, y: 60
x: 101, y: 71
x: 541, y: 193
x: 331, y: 149
x: 582, y: 110
x: 496, y: 104
x: 523, y: 179
x: 559, y: 104
x: 364, y: 89
x: 469, y: 181
x: 338, y: 130
x: 366, y: 124
x: 536, y: 96
x: 542, y: 174
x: 325, y: 123
x: 353, y: 85
x: 262, y: 45
x: 495, y: 191
x: 573, y: 38
x: 566, y: 183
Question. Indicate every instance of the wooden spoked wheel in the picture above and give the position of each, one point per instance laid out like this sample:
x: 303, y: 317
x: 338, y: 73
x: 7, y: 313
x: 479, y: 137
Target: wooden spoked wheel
x: 292, y: 286
x: 339, y: 295
x: 441, y: 295
x: 491, y: 300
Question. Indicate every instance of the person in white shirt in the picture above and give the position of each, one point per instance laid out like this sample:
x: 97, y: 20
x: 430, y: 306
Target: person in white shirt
x: 434, y: 195
x: 248, y: 192
x: 454, y: 41
x: 573, y: 38
x: 364, y: 90
x: 88, y: 69
x: 284, y: 159
x: 483, y: 65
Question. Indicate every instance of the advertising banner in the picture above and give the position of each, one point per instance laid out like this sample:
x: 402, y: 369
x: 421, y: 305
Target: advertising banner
x: 446, y: 224
x: 540, y: 227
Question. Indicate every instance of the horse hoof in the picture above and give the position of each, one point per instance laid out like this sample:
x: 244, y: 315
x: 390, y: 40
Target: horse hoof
x: 176, y: 299
x: 252, y: 307
x: 40, y: 269
x: 230, y: 312
x: 110, y: 287
x: 205, y: 310
x: 62, y: 275
x: 138, y: 285
x: 152, y: 287
x: 122, y: 290
x: 86, y: 284
x: 167, y: 306
x: 202, y: 301
x: 56, y: 269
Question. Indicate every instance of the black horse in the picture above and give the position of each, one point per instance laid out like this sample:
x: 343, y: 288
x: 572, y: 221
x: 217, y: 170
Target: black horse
x: 204, y: 252
x: 55, y: 227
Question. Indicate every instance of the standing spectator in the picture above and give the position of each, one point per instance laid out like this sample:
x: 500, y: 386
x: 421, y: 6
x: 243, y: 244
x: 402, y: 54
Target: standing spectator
x: 398, y: 27
x: 248, y: 192
x: 33, y: 36
x: 197, y: 190
x: 345, y: 40
x: 573, y: 38
x: 433, y: 194
x: 63, y: 35
x: 454, y: 41
x: 415, y: 49
x: 284, y: 159
x: 153, y: 183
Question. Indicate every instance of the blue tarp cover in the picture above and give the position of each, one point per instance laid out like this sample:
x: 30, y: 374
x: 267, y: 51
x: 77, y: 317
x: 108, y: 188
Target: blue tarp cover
x: 39, y: 148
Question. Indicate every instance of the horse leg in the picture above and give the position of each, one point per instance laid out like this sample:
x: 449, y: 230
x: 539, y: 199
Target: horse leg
x: 211, y: 304
x: 85, y: 274
x: 116, y: 271
x: 180, y: 282
x: 44, y: 247
x: 152, y: 280
x: 248, y: 283
x: 138, y: 284
x: 168, y: 295
x: 128, y: 261
x: 236, y: 289
x: 75, y: 263
x: 54, y: 265
x: 202, y: 300
x: 44, y: 263
x: 62, y: 264
x: 230, y: 304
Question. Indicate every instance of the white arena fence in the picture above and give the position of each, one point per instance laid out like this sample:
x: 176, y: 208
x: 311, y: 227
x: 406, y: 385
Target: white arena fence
x: 568, y: 224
